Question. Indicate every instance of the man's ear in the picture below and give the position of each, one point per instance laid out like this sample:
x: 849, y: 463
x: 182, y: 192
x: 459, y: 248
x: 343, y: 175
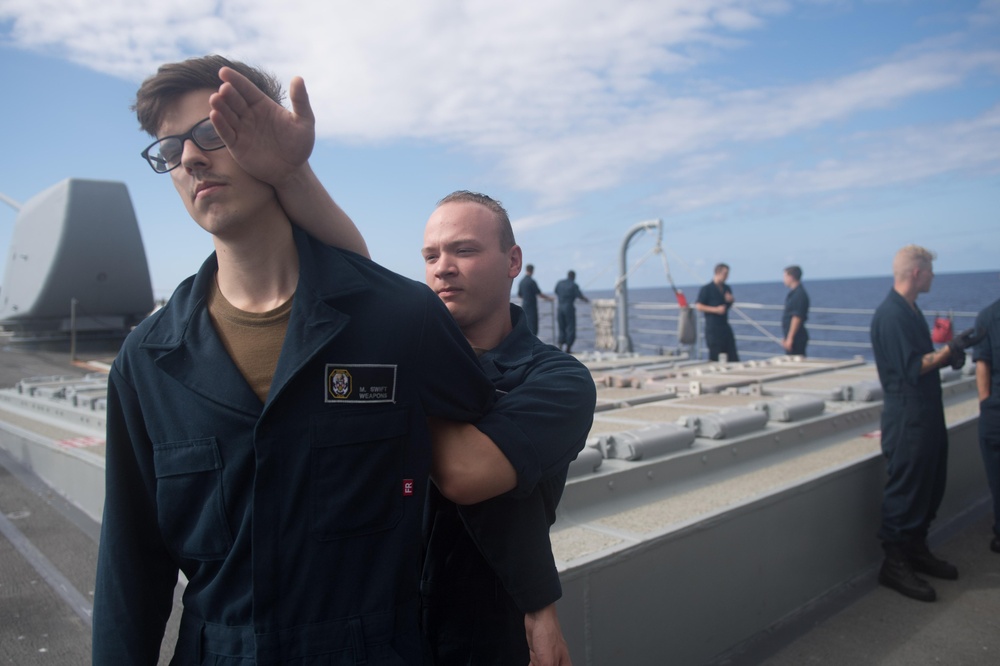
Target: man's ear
x: 515, y: 259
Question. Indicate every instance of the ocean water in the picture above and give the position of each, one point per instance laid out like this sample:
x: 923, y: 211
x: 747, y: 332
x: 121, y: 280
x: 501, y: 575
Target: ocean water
x: 838, y: 322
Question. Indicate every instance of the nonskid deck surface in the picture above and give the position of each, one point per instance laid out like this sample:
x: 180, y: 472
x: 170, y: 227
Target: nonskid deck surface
x: 871, y: 625
x: 623, y: 502
x: 704, y: 549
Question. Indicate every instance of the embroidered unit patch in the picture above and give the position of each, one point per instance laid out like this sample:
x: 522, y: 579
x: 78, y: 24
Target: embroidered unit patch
x: 360, y: 383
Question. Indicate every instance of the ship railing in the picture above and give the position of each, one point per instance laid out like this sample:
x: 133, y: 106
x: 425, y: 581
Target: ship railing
x: 838, y: 340
x: 833, y: 332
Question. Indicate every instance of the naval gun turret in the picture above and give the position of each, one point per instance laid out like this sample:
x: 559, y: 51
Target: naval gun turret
x: 76, y: 262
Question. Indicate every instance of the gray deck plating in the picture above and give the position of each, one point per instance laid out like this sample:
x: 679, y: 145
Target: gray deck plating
x: 698, y: 552
x: 677, y: 558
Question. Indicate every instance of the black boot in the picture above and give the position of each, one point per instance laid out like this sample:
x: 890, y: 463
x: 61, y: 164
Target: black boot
x: 923, y: 561
x: 995, y: 544
x: 897, y: 574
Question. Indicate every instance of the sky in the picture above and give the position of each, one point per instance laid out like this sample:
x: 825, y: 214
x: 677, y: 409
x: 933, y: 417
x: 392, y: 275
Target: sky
x: 763, y: 133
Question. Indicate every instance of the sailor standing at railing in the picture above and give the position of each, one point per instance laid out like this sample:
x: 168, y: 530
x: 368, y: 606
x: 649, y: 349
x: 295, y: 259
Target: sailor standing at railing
x: 793, y: 320
x: 715, y: 299
x: 567, y: 292
x: 529, y: 291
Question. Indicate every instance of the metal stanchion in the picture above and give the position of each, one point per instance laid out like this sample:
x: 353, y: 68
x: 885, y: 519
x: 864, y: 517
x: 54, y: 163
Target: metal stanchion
x: 72, y: 329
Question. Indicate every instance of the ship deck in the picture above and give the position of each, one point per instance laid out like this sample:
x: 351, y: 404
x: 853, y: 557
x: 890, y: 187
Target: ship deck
x: 622, y: 515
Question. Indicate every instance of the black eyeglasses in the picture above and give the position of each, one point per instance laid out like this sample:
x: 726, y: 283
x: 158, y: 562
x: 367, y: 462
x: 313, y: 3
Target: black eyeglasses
x: 165, y: 154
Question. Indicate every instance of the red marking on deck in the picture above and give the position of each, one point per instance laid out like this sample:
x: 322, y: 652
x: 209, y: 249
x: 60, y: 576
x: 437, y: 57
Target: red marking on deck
x: 81, y: 442
x: 873, y: 434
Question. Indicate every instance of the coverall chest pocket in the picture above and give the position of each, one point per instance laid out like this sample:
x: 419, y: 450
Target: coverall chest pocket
x: 189, y: 501
x: 356, y: 472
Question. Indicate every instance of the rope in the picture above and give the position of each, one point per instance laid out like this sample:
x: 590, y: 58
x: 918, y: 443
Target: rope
x: 636, y: 265
x: 736, y: 309
x: 691, y: 272
x: 761, y: 329
x: 596, y: 277
x: 658, y: 249
x: 610, y: 266
x: 681, y: 300
x: 666, y: 269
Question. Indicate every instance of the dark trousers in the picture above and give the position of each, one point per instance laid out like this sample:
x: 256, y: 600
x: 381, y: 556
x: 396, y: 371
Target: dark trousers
x: 567, y: 326
x: 475, y: 625
x: 721, y: 341
x: 989, y: 445
x: 531, y: 317
x: 915, y: 447
x: 799, y: 342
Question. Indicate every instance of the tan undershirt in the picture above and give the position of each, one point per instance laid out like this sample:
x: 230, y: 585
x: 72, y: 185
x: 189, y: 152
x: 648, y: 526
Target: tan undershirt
x: 253, y: 339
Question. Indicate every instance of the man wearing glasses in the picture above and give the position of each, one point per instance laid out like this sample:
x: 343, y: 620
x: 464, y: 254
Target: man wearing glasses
x: 266, y: 429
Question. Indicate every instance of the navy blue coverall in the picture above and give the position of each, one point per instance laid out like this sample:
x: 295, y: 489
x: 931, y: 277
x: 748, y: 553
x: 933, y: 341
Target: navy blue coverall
x: 528, y: 291
x: 297, y: 522
x: 718, y: 333
x: 567, y: 291
x: 796, y: 305
x: 914, y: 435
x: 489, y: 563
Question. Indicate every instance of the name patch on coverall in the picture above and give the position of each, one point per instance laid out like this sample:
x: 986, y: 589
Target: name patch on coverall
x: 360, y: 383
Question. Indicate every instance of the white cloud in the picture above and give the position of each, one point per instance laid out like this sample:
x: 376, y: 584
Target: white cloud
x: 606, y: 156
x: 874, y: 160
x: 440, y: 69
x: 565, y: 97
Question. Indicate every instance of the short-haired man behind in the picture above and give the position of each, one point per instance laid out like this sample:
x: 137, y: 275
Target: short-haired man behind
x: 793, y: 319
x: 914, y: 434
x: 529, y: 291
x: 715, y: 299
x: 266, y: 428
x: 490, y: 581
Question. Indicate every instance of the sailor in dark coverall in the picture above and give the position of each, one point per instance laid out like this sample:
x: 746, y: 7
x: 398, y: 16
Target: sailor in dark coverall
x: 267, y: 507
x: 793, y: 319
x: 490, y: 582
x: 278, y: 458
x: 914, y: 435
x: 987, y: 358
x: 715, y: 299
x: 567, y: 291
x: 489, y: 564
x: 528, y: 291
